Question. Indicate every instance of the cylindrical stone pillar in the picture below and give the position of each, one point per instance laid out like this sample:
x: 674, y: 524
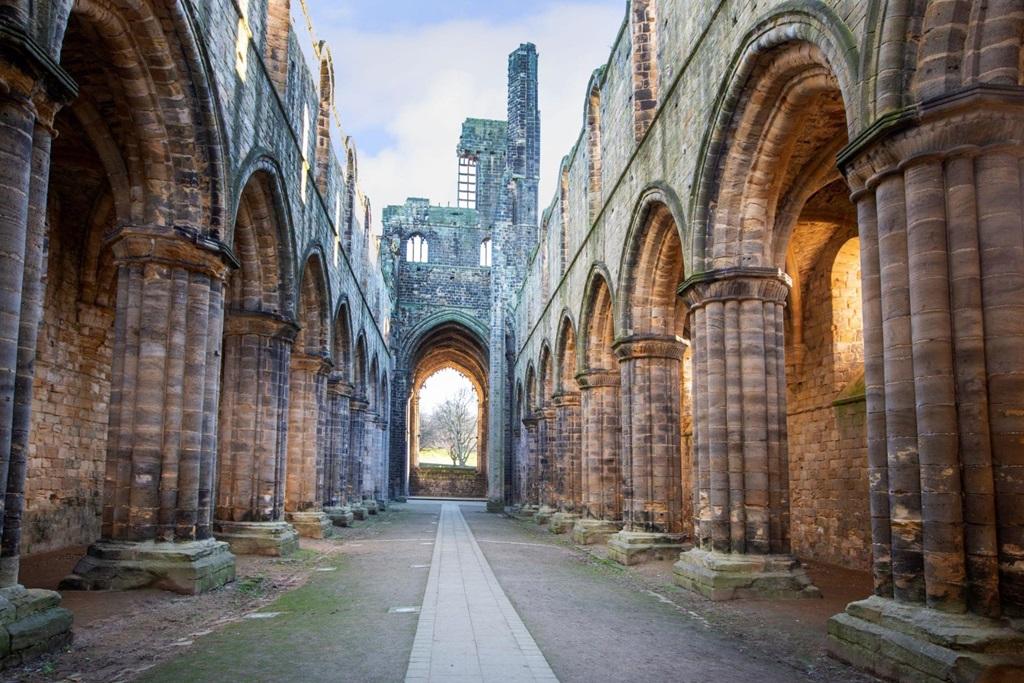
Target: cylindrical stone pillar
x: 339, y: 395
x: 254, y: 435
x: 307, y: 409
x: 602, y: 477
x: 741, y: 464
x: 942, y: 253
x: 356, y: 455
x: 165, y: 386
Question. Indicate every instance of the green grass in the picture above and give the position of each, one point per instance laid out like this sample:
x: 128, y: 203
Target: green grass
x: 439, y: 456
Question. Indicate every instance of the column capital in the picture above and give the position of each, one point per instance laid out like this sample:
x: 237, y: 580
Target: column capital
x: 180, y: 247
x: 530, y: 420
x: 312, y: 362
x: 592, y: 379
x: 649, y: 346
x: 566, y: 398
x: 270, y: 325
x: 337, y: 385
x: 358, y: 404
x: 547, y: 412
x: 27, y: 71
x: 736, y: 284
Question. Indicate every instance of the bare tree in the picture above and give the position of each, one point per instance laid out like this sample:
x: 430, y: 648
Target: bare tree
x: 456, y: 426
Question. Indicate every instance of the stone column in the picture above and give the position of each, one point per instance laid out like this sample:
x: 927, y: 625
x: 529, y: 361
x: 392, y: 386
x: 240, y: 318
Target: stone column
x: 649, y: 368
x: 31, y: 89
x: 356, y: 456
x: 531, y: 465
x: 339, y: 394
x: 547, y: 474
x: 741, y: 463
x: 567, y: 417
x: 253, y: 435
x: 601, y: 471
x: 161, y: 446
x: 307, y: 426
x: 942, y: 257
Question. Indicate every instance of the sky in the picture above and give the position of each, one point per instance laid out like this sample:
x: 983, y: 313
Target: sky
x: 408, y: 72
x: 441, y: 385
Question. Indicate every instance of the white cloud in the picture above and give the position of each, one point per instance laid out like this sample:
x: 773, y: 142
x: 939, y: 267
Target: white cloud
x: 418, y: 84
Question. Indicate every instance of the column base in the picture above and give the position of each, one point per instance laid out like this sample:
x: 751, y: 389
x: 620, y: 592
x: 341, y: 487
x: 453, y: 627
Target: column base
x: 371, y: 506
x: 495, y: 505
x: 272, y: 539
x: 313, y: 524
x: 562, y: 522
x: 906, y: 642
x: 728, y: 576
x: 543, y: 514
x: 340, y: 516
x: 594, y: 531
x: 382, y: 505
x: 359, y: 511
x: 191, y: 568
x: 32, y: 622
x: 524, y: 512
x: 637, y: 547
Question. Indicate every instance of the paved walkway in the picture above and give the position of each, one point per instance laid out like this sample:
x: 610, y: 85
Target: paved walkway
x: 468, y: 629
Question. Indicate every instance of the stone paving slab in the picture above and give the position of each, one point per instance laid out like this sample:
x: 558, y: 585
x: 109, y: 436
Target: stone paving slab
x: 468, y: 629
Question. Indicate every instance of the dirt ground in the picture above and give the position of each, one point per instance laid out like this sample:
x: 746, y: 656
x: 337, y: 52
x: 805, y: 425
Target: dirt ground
x: 329, y: 613
x: 120, y: 634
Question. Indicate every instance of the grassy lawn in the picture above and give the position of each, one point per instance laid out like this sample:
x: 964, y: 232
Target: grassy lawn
x: 439, y: 456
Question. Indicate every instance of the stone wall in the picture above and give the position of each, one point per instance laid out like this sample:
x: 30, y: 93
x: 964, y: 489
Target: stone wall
x: 447, y: 482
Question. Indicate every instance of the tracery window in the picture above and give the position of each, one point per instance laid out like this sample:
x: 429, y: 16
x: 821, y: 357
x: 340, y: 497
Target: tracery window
x: 417, y: 250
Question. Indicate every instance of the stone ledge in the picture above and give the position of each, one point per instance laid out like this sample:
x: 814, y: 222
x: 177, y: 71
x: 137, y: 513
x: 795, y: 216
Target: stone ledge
x: 32, y: 622
x: 914, y: 643
x: 314, y: 524
x: 594, y: 531
x: 271, y: 539
x: 191, y: 568
x: 729, y: 576
x: 562, y: 522
x: 636, y: 547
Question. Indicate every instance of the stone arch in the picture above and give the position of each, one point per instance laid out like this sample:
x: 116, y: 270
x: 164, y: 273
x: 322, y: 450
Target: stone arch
x: 545, y: 375
x: 566, y: 360
x: 343, y: 346
x: 359, y: 366
x: 531, y: 389
x: 599, y: 379
x: 795, y: 54
x: 563, y: 217
x: 652, y: 267
x: 597, y: 323
x: 312, y: 308
x: 323, y: 120
x: 173, y: 132
x: 260, y: 240
x: 592, y: 126
x: 446, y: 340
x: 650, y: 353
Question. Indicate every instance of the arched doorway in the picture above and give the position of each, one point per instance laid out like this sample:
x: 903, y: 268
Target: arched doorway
x: 450, y: 358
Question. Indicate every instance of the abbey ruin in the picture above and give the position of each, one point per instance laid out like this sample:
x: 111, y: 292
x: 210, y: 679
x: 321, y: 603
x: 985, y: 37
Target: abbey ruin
x: 768, y: 326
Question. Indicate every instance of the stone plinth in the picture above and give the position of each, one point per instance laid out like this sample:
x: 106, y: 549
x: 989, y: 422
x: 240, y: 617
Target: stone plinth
x: 273, y: 539
x: 359, y: 511
x: 594, y: 531
x: 311, y: 524
x: 905, y: 642
x: 728, y: 576
x: 562, y: 522
x: 190, y: 568
x: 31, y: 622
x: 543, y: 514
x: 382, y: 505
x: 371, y: 506
x: 524, y: 511
x: 340, y: 516
x: 637, y: 547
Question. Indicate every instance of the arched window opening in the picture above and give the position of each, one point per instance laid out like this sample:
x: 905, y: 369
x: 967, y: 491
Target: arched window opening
x: 417, y: 250
x: 485, y: 253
